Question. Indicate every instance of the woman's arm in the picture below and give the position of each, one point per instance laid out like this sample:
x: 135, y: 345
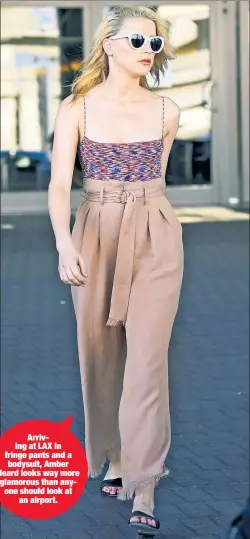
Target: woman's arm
x: 71, y: 265
x: 62, y: 166
x: 172, y: 119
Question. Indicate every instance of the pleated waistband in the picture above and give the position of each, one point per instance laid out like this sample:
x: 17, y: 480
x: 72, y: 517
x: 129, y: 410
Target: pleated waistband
x: 121, y: 192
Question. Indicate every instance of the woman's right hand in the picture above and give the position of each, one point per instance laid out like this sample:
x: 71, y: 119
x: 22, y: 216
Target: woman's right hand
x: 71, y: 265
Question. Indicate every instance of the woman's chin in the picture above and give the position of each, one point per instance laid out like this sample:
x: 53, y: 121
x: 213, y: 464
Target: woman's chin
x: 144, y: 70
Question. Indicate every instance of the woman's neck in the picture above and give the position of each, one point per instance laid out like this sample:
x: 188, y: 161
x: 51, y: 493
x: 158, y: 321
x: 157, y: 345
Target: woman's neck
x: 121, y: 87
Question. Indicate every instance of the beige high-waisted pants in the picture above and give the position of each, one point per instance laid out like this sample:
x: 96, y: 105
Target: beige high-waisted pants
x: 131, y: 242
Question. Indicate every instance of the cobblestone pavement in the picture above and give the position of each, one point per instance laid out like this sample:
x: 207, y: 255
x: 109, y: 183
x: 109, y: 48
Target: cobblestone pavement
x: 208, y: 359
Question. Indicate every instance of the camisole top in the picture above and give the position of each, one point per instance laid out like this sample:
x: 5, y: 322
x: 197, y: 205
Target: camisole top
x: 126, y: 161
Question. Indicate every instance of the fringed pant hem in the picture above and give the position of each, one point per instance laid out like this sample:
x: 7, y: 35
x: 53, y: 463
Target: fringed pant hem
x: 111, y: 454
x: 129, y: 491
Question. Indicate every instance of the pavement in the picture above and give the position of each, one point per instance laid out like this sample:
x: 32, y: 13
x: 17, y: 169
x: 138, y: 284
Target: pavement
x: 208, y: 359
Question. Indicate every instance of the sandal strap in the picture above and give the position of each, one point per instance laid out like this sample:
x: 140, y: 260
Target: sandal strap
x: 112, y: 482
x: 141, y: 514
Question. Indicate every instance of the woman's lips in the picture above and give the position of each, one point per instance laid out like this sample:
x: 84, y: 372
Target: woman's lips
x: 145, y: 62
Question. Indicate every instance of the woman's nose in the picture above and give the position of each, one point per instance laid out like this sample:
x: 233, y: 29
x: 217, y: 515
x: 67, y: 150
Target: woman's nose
x: 147, y: 48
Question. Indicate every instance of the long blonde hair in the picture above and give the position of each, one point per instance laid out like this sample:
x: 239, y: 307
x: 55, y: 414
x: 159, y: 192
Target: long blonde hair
x: 95, y: 68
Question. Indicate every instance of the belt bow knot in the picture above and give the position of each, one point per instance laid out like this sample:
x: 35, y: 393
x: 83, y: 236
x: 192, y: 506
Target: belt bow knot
x: 125, y: 195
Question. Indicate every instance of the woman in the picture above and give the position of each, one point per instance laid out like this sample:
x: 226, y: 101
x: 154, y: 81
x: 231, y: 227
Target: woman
x: 124, y: 259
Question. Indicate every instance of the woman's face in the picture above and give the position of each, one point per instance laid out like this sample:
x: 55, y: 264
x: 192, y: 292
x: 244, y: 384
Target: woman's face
x: 124, y: 55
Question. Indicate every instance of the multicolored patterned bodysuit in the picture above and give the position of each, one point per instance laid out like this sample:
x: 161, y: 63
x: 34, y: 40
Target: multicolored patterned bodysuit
x: 128, y: 161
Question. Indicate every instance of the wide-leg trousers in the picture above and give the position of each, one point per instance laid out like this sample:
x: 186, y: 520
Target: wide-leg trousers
x: 131, y: 241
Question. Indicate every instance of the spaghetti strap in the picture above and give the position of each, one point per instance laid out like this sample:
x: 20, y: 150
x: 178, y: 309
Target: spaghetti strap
x: 84, y: 133
x: 163, y: 116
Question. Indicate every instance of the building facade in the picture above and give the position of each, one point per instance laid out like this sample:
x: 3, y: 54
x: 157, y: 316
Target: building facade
x: 42, y: 45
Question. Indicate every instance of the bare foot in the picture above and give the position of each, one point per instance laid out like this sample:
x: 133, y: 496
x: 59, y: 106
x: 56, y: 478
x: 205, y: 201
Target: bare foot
x: 144, y: 501
x: 114, y: 471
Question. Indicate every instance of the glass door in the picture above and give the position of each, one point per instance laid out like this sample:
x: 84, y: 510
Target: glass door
x: 191, y: 172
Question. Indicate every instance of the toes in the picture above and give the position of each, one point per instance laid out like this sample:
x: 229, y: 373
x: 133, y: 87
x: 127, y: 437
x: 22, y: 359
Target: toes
x: 111, y: 490
x: 144, y: 520
x: 115, y: 490
x: 107, y: 490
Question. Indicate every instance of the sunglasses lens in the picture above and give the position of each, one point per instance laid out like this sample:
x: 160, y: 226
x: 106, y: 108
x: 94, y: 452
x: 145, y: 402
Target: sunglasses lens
x: 156, y: 44
x: 137, y: 40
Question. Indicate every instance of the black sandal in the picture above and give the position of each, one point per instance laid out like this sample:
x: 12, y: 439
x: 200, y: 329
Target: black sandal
x: 144, y: 529
x: 117, y: 483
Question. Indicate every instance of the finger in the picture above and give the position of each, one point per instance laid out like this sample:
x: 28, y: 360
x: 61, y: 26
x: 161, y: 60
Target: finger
x: 63, y: 276
x: 82, y: 266
x: 72, y: 279
x: 61, y: 273
x: 67, y: 277
x: 77, y: 274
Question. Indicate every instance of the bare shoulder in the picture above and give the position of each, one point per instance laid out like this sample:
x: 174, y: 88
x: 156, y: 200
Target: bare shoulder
x: 171, y: 113
x: 69, y: 109
x: 172, y: 117
x: 172, y: 109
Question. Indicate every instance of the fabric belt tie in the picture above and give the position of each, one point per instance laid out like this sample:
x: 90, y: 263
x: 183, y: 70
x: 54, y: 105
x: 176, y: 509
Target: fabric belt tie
x: 126, y: 243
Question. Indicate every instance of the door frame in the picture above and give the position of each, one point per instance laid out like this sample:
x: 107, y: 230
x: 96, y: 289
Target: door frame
x: 243, y: 99
x: 224, y: 188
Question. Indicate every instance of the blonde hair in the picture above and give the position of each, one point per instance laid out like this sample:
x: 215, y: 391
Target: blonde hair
x: 95, y: 68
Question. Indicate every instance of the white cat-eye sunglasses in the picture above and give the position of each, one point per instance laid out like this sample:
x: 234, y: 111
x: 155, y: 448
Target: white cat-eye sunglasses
x: 137, y: 41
